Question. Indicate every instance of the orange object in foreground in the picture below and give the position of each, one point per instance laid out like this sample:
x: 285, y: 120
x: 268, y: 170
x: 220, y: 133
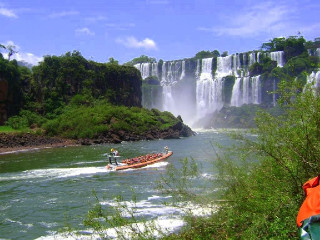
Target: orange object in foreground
x: 311, y: 205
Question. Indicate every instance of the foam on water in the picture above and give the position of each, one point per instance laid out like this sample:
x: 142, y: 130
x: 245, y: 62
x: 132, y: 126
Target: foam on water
x: 27, y: 225
x: 159, y: 226
x: 92, y: 162
x: 53, y: 173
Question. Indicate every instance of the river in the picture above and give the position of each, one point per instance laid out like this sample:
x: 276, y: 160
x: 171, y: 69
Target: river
x: 45, y: 190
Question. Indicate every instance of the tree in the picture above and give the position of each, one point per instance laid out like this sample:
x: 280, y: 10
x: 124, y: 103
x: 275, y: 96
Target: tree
x: 113, y: 61
x: 207, y: 54
x: 224, y: 54
x: 141, y: 59
x: 292, y: 46
x: 11, y: 50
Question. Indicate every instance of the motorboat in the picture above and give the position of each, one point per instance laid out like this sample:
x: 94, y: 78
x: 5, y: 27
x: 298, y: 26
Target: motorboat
x: 136, y: 162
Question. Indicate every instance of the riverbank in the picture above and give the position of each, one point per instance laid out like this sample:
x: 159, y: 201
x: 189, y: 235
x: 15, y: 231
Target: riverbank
x: 17, y: 142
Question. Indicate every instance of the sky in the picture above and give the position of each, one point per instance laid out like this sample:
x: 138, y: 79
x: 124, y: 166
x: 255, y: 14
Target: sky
x: 163, y: 29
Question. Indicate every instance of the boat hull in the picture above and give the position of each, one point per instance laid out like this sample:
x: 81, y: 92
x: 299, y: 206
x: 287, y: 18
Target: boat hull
x: 142, y: 164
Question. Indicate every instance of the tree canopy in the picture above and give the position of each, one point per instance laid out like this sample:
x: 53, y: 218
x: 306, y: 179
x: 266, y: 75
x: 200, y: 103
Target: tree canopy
x: 207, y: 54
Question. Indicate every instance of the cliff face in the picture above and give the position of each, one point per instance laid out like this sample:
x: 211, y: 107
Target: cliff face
x: 71, y: 74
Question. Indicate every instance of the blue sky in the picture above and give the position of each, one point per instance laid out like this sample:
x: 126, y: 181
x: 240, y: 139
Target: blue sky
x: 164, y: 29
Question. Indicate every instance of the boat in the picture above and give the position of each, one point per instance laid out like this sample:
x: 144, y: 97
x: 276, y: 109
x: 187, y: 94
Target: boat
x: 137, y: 162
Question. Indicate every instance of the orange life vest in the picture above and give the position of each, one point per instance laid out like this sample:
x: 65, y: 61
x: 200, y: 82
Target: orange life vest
x: 311, y: 205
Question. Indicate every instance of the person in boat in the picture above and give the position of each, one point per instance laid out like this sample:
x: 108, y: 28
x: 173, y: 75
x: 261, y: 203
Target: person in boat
x: 166, y: 149
x: 308, y: 219
x: 113, y: 155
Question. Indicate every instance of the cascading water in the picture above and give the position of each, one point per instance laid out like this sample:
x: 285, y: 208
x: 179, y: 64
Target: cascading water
x: 172, y: 72
x: 168, y: 100
x: 154, y: 70
x: 224, y: 66
x: 198, y: 69
x: 252, y: 58
x: 164, y: 73
x: 144, y: 68
x: 208, y: 89
x: 204, y: 87
x: 314, y: 79
x: 246, y: 90
x: 256, y: 90
x: 236, y: 98
x: 278, y: 57
x: 183, y: 70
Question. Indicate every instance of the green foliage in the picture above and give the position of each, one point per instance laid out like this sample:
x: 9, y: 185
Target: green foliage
x: 15, y: 77
x: 7, y: 129
x: 57, y: 79
x: 141, y: 59
x: 224, y: 54
x: 82, y: 121
x: 26, y: 119
x: 17, y: 122
x: 292, y: 46
x: 297, y: 65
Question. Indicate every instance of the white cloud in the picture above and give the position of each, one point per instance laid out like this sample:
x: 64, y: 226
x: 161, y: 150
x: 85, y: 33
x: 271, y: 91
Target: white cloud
x: 7, y: 13
x: 63, y: 14
x: 85, y: 31
x: 27, y: 57
x: 132, y: 42
x: 22, y: 56
x: 260, y: 18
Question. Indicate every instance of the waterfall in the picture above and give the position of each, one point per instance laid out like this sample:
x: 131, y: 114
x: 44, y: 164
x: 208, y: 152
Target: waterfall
x: 154, y: 71
x: 209, y: 89
x: 246, y: 90
x: 193, y: 89
x: 314, y: 79
x: 144, y: 69
x: 256, y: 90
x: 278, y: 57
x: 236, y: 65
x: 164, y: 72
x: 198, y: 69
x: 224, y: 66
x: 318, y: 52
x: 183, y: 73
x: 168, y: 102
x: 258, y: 57
x: 204, y: 87
x: 252, y: 58
x: 236, y: 98
x: 172, y: 72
